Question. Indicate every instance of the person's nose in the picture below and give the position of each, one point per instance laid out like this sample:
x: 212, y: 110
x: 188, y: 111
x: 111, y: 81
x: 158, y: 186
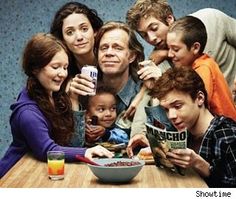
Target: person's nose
x: 108, y: 112
x: 62, y: 72
x: 79, y: 36
x: 170, y: 53
x: 110, y: 51
x: 172, y: 114
x: 152, y: 38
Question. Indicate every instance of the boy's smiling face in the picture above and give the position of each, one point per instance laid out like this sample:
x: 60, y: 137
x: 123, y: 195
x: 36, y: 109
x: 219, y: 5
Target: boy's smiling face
x: 104, y: 107
x: 178, y: 50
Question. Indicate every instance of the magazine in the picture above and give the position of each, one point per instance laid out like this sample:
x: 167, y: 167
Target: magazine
x: 161, y: 141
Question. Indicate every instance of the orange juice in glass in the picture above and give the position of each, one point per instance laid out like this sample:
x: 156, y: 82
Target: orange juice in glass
x: 56, y: 162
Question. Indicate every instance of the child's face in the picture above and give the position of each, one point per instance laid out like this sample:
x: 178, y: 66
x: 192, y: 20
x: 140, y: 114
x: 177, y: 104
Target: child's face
x: 54, y: 73
x: 178, y: 51
x: 181, y: 109
x: 104, y: 107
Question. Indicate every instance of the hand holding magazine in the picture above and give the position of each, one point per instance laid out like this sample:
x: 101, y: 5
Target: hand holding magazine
x: 161, y: 141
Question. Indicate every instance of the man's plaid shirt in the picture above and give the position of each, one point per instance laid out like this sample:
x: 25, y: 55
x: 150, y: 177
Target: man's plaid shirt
x: 219, y: 149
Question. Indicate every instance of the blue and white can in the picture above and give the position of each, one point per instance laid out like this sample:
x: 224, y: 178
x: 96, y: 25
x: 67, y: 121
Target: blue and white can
x: 91, y: 71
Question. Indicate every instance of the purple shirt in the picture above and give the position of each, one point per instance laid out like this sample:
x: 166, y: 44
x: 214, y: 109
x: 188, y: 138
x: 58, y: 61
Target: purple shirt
x: 31, y: 133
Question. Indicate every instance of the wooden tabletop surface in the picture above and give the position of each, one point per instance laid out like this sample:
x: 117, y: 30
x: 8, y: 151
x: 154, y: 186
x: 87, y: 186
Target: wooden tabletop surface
x: 29, y: 172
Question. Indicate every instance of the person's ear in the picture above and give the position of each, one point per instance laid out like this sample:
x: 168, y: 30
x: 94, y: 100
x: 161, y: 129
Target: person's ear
x: 200, y: 98
x: 132, y: 57
x: 196, y: 48
x: 170, y: 19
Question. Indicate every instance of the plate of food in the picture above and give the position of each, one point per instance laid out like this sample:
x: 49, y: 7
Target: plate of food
x: 146, y: 155
x: 112, y: 146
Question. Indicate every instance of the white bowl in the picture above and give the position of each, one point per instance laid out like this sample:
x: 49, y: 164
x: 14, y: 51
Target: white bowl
x: 115, y: 174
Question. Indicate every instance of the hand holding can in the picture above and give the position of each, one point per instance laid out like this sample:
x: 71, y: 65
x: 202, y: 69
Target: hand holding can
x: 92, y: 72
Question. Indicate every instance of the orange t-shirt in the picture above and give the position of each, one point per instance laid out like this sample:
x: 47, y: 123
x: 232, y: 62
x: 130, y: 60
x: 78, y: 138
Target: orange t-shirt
x: 220, y: 99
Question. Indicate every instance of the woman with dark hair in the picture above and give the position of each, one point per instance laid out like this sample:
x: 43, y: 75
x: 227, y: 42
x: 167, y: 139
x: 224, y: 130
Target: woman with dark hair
x: 76, y: 25
x: 42, y: 118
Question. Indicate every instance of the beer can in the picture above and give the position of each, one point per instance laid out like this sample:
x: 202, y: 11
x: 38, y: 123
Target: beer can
x: 93, y: 73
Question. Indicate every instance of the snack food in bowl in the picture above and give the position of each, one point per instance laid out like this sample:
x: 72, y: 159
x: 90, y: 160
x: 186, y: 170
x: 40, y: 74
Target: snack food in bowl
x: 116, y: 170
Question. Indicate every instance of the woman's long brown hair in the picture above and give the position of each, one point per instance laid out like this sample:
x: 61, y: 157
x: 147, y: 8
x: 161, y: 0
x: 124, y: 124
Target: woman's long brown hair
x: 38, y: 52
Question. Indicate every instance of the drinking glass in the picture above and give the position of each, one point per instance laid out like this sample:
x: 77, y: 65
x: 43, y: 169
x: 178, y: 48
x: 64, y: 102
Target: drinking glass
x: 56, y: 163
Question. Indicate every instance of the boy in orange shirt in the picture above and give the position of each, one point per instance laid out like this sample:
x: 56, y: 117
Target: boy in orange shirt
x: 186, y: 39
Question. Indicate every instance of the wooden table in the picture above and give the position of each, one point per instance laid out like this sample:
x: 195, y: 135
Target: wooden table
x: 29, y: 172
